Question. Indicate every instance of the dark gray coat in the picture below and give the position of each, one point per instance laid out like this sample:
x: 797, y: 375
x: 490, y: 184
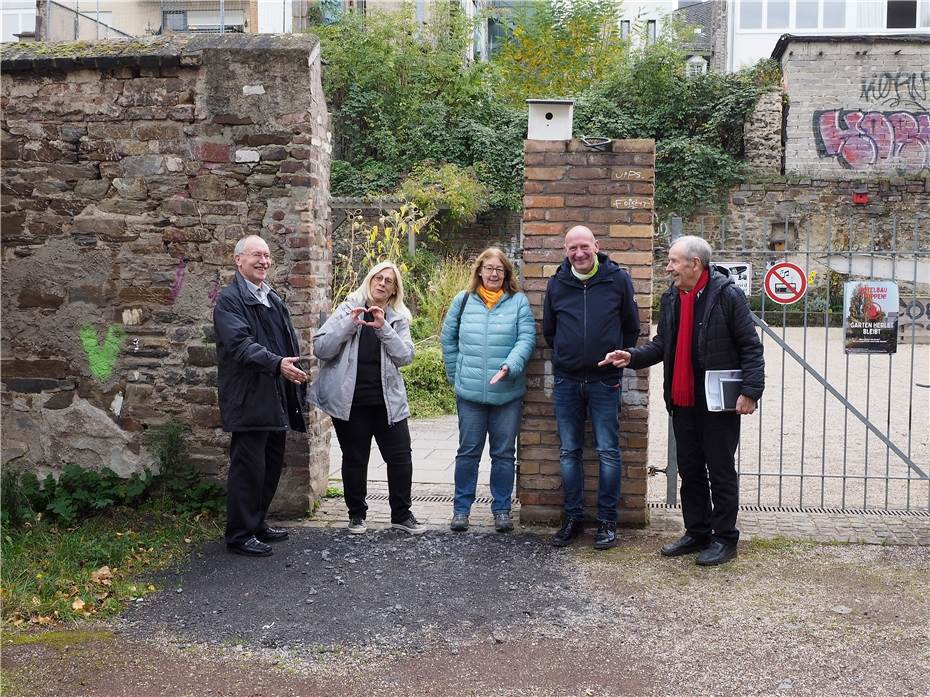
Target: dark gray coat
x: 726, y: 340
x: 248, y: 375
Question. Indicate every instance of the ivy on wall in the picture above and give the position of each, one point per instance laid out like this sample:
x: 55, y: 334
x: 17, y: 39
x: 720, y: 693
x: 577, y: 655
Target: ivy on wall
x: 405, y: 102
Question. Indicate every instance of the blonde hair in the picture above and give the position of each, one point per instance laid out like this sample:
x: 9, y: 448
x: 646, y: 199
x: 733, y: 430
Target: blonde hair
x: 510, y: 276
x: 396, y: 302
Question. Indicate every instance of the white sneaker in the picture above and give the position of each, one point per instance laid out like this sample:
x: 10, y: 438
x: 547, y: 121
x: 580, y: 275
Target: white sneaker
x: 411, y: 525
x: 357, y: 526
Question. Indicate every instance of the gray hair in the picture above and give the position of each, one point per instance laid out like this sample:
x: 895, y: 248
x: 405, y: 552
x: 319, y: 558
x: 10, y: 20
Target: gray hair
x: 240, y: 245
x: 693, y: 246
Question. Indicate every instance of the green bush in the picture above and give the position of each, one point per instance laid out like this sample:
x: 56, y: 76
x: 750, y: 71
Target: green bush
x: 428, y: 391
x: 446, y: 187
x: 434, y: 294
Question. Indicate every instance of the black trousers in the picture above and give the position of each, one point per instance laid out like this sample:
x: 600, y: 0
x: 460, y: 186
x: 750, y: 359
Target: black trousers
x: 354, y: 438
x: 706, y: 444
x: 255, y: 462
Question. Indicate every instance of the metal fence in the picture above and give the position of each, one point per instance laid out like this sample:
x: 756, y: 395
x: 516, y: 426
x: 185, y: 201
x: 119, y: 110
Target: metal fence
x: 835, y: 429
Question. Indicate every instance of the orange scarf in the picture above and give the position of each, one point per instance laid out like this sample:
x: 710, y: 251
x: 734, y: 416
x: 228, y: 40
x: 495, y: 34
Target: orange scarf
x: 490, y: 297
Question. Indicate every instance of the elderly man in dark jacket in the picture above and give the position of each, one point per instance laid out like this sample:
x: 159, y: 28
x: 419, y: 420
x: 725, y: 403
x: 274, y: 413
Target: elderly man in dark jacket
x: 589, y: 309
x: 704, y: 324
x: 261, y: 390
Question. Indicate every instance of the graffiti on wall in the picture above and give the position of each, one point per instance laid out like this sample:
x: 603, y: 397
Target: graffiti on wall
x: 102, y: 357
x: 908, y: 89
x: 864, y: 139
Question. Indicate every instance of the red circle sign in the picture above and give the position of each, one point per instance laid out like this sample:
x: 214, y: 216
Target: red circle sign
x: 785, y: 283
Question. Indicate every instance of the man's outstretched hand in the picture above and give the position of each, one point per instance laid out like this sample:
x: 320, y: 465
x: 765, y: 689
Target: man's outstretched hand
x: 291, y: 372
x: 618, y: 359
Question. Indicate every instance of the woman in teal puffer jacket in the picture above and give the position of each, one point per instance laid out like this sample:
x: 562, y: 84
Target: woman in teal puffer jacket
x: 487, y: 338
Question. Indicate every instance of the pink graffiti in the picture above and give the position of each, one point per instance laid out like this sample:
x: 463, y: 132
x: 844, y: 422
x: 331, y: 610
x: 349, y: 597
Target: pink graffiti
x: 179, y: 274
x: 861, y: 140
x: 214, y: 292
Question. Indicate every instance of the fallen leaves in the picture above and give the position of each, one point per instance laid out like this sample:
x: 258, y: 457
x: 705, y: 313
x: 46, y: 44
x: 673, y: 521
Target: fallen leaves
x: 103, y: 575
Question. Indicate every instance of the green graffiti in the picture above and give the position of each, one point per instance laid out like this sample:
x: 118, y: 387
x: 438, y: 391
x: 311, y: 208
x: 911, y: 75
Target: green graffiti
x: 102, y: 358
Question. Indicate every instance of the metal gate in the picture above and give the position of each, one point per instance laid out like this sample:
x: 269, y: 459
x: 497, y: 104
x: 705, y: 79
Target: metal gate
x: 834, y: 430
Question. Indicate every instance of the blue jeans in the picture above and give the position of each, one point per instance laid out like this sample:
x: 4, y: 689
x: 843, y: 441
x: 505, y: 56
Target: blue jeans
x: 574, y: 402
x: 476, y: 423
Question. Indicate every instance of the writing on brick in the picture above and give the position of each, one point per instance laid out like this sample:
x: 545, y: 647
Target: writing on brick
x: 630, y: 203
x: 628, y: 174
x: 901, y: 89
x: 860, y: 140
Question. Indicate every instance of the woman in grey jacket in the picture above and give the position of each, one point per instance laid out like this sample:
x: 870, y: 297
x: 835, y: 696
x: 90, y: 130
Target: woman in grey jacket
x: 487, y: 338
x: 361, y: 347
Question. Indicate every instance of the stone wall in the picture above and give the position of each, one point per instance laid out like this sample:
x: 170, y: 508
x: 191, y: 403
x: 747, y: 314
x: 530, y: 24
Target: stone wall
x: 857, y: 107
x: 762, y: 134
x: 129, y: 172
x: 611, y: 192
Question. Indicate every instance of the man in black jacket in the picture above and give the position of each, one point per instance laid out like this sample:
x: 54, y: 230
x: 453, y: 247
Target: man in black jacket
x: 704, y: 324
x: 589, y: 309
x: 261, y: 388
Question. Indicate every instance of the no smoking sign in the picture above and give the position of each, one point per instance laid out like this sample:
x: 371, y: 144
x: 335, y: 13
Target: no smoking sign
x: 785, y: 283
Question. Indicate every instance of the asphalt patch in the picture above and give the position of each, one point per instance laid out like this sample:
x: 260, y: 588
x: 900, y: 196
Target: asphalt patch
x: 324, y: 588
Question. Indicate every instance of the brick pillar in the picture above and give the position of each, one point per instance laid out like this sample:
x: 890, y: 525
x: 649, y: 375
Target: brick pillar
x: 611, y: 192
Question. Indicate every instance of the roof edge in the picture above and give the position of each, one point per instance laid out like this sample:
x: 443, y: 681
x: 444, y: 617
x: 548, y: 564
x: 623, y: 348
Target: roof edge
x: 786, y: 39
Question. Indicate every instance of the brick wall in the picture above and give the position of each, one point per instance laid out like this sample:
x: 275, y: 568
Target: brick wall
x: 612, y: 192
x: 129, y: 172
x: 857, y: 108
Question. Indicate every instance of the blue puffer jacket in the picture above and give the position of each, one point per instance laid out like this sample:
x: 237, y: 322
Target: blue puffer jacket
x: 476, y: 347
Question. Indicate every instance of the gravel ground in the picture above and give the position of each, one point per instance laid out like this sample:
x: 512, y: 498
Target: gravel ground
x: 477, y: 614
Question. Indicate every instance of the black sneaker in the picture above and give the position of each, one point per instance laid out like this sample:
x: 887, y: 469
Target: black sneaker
x: 410, y: 525
x: 606, y: 535
x: 357, y: 526
x: 568, y: 532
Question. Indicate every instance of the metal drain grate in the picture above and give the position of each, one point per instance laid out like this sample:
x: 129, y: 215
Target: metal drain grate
x: 822, y: 511
x: 436, y: 499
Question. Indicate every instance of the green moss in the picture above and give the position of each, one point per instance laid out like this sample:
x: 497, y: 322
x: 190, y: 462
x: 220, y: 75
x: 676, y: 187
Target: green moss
x: 58, y: 639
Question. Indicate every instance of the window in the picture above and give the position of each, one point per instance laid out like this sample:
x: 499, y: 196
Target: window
x: 806, y: 14
x: 695, y: 66
x: 625, y: 29
x: 651, y: 31
x: 834, y: 14
x: 777, y: 14
x: 688, y: 3
x: 750, y: 14
x: 902, y: 14
x: 174, y: 20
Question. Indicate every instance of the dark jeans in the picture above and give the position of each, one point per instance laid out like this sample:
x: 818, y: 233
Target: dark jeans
x: 478, y: 423
x: 255, y: 462
x: 706, y: 444
x: 575, y: 401
x: 394, y: 443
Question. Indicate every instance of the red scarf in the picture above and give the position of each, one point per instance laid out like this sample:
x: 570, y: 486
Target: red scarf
x: 683, y: 372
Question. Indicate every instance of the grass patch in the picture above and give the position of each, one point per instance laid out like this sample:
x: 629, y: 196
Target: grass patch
x: 332, y: 492
x: 53, y: 572
x: 777, y: 544
x: 57, y: 640
x: 428, y: 391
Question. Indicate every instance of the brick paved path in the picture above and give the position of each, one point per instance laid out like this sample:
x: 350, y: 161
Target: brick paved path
x: 434, y: 444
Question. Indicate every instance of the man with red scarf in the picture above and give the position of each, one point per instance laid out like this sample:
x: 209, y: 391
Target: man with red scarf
x: 704, y: 324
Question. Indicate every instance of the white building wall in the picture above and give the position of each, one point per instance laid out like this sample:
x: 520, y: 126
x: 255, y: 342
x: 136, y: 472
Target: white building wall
x: 749, y: 44
x: 16, y: 16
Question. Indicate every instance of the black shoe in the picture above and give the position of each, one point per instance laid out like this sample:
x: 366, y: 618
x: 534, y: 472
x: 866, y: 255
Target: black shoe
x: 686, y: 545
x: 718, y: 553
x: 250, y: 548
x: 568, y: 532
x: 606, y: 535
x: 270, y: 534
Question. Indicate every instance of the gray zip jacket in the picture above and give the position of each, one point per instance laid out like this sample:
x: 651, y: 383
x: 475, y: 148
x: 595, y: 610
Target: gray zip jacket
x: 335, y: 344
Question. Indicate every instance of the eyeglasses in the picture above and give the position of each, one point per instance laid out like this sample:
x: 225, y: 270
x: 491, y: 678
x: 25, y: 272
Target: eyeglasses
x: 493, y: 269
x: 259, y: 255
x: 386, y: 280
